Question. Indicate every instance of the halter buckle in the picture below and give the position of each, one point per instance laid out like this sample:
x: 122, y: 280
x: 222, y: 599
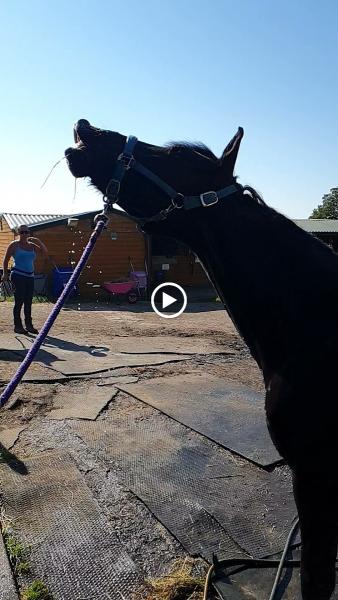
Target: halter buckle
x: 113, y: 190
x: 127, y: 160
x: 209, y: 198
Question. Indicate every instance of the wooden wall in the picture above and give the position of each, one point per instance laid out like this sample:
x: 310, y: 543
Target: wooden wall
x: 6, y: 237
x: 187, y: 272
x: 109, y: 259
x: 183, y: 268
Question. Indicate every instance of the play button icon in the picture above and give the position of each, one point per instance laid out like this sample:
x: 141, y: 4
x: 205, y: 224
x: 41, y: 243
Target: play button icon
x: 167, y: 300
x: 165, y: 296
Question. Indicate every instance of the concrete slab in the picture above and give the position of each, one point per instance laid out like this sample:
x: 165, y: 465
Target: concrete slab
x: 73, y: 549
x: 80, y: 405
x: 76, y: 357
x: 37, y: 372
x: 121, y: 380
x: 12, y: 341
x: 229, y: 414
x: 8, y: 437
x: 39, y: 375
x: 7, y: 583
x: 77, y: 363
x: 82, y: 363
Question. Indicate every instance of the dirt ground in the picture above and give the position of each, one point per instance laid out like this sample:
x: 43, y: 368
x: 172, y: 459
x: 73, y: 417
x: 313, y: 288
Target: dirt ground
x: 99, y: 324
x: 149, y: 544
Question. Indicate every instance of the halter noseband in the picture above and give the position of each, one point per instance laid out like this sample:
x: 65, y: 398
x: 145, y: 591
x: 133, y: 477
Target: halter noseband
x: 126, y: 161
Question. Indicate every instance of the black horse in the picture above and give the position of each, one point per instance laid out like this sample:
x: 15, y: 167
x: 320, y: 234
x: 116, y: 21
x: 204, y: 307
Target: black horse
x: 279, y: 286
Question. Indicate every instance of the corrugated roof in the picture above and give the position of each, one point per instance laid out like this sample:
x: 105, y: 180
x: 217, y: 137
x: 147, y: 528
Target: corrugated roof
x: 15, y: 220
x: 88, y: 214
x: 318, y: 225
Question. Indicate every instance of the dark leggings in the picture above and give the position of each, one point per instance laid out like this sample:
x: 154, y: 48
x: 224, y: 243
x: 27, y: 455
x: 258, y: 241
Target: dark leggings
x: 23, y: 295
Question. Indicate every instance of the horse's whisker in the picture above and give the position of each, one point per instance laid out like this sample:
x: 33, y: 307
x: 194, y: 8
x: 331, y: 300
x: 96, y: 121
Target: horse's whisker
x: 50, y: 172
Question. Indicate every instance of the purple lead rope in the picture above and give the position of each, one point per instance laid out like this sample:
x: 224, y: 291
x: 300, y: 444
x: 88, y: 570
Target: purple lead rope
x: 14, y: 382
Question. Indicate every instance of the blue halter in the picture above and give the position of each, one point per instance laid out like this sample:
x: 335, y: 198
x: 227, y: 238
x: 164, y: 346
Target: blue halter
x: 126, y: 161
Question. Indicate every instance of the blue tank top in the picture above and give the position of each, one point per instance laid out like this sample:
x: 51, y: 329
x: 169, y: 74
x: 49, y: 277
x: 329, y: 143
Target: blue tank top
x: 24, y: 262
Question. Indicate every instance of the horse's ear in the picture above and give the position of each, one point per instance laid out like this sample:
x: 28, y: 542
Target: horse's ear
x: 229, y: 155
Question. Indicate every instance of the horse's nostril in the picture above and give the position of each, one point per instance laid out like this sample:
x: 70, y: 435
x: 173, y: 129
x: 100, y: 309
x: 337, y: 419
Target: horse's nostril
x: 69, y: 151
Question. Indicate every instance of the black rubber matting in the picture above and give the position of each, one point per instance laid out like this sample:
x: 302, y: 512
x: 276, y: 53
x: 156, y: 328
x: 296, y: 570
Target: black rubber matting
x: 256, y: 584
x: 182, y: 477
x: 231, y: 415
x: 72, y: 550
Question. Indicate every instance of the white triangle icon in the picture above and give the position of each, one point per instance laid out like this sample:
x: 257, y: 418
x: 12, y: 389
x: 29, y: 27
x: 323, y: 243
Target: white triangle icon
x: 167, y: 300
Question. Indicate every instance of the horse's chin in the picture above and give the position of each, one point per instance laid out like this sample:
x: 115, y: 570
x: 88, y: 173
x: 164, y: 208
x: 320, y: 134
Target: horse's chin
x: 78, y: 162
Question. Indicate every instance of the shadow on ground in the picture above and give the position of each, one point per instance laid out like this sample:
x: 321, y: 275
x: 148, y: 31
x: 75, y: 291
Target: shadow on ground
x: 12, y: 461
x: 142, y: 307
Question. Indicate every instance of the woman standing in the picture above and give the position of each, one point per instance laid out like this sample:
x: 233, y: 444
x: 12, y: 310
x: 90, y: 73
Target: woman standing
x: 23, y: 251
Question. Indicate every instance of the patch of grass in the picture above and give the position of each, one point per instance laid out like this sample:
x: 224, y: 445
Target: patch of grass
x: 18, y: 555
x: 17, y: 552
x: 36, y: 591
x: 182, y: 583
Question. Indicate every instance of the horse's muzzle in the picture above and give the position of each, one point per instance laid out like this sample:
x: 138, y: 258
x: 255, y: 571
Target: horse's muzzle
x: 78, y: 160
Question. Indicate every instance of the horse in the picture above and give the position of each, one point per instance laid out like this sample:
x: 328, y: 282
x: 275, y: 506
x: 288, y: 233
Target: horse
x: 279, y: 286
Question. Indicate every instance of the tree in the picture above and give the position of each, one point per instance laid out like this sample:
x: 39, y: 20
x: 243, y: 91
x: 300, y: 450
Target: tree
x: 328, y: 209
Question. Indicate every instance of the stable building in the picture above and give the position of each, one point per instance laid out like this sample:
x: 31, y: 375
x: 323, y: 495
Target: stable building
x: 174, y: 261
x: 324, y: 229
x: 119, y: 249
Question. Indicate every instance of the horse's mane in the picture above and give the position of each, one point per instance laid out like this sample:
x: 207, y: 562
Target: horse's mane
x: 254, y: 194
x: 199, y: 147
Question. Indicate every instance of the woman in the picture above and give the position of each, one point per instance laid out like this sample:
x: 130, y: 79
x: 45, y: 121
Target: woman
x: 23, y: 251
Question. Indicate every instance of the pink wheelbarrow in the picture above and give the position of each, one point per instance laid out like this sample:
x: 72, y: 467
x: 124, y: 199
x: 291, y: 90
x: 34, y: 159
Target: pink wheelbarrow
x: 128, y: 289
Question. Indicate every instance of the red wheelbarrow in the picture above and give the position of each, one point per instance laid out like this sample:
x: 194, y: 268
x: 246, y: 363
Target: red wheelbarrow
x: 128, y: 289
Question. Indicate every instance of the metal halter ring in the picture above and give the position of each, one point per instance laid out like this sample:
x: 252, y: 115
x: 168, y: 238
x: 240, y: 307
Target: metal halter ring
x: 174, y: 201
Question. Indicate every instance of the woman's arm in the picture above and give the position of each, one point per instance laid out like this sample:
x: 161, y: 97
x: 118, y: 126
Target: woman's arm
x: 9, y: 253
x: 39, y: 245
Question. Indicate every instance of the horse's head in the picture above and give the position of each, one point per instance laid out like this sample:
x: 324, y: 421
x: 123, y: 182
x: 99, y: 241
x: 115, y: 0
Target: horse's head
x: 189, y: 169
x: 95, y: 152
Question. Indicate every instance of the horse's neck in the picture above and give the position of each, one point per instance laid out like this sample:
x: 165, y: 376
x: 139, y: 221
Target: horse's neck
x: 264, y: 274
x: 242, y: 294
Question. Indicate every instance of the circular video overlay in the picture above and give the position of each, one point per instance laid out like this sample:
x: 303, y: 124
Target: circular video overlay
x: 168, y: 300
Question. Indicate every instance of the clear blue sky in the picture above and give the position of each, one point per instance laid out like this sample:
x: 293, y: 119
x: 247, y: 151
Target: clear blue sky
x: 184, y: 69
